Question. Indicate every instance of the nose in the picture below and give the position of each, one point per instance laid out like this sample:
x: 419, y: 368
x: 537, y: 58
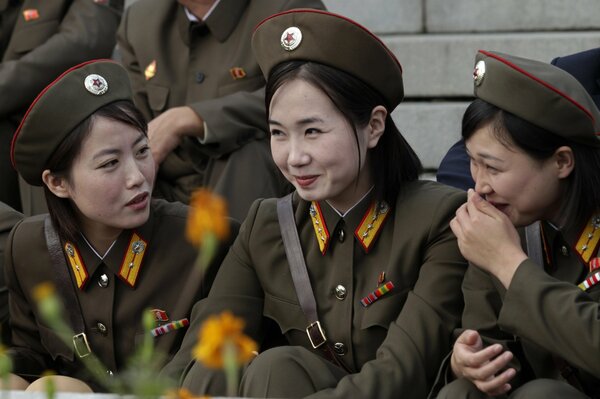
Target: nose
x: 298, y: 155
x: 482, y: 185
x: 134, y: 176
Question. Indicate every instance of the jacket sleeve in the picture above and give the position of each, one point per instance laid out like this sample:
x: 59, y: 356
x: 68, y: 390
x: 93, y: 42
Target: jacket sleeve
x: 556, y: 315
x: 86, y: 31
x: 28, y: 356
x: 407, y: 361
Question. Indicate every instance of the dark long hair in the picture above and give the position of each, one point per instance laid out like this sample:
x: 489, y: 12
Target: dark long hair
x: 393, y: 161
x: 62, y: 210
x: 582, y: 197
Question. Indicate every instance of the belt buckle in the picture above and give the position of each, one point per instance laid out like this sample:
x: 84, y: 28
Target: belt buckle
x: 320, y: 338
x: 82, y: 347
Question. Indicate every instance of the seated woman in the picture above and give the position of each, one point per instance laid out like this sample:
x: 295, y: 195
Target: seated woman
x: 110, y: 250
x: 382, y: 269
x: 531, y: 321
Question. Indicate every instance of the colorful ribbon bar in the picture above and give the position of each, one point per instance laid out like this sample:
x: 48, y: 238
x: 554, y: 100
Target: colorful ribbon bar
x: 176, y: 325
x: 378, y: 293
x: 590, y: 282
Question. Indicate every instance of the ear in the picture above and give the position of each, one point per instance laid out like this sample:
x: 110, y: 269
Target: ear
x: 565, y: 161
x: 56, y: 184
x: 376, y: 125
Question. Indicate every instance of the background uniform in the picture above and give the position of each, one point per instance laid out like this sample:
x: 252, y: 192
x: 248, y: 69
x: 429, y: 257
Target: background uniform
x: 111, y: 308
x: 208, y: 66
x: 38, y: 41
x: 8, y: 218
x: 394, y: 344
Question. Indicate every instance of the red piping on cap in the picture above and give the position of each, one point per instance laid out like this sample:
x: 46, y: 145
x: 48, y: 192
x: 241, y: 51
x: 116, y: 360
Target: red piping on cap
x: 333, y: 15
x: 16, y: 134
x: 554, y: 89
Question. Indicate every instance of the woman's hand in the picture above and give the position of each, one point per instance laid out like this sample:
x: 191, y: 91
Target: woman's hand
x: 487, y: 238
x: 482, y: 366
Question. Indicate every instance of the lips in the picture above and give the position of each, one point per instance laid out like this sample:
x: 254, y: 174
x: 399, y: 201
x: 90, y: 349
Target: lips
x: 139, y: 200
x: 305, y: 181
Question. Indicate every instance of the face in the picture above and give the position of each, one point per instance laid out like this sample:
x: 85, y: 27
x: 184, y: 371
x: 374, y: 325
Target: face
x: 522, y: 187
x: 315, y: 148
x: 111, y: 179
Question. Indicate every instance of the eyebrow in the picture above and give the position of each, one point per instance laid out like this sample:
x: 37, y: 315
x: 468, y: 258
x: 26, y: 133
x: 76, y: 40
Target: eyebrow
x: 110, y: 151
x: 301, y: 122
x: 485, y: 156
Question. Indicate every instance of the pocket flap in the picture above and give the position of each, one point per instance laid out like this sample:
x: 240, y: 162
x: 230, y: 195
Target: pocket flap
x: 54, y: 345
x: 157, y: 97
x: 288, y: 315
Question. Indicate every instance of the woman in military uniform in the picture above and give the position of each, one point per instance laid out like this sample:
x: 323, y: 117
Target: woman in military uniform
x: 85, y: 143
x: 372, y: 310
x: 531, y: 319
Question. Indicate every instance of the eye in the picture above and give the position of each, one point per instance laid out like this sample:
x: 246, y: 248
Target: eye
x: 312, y: 130
x: 108, y: 164
x: 276, y: 132
x: 491, y: 169
x: 144, y: 150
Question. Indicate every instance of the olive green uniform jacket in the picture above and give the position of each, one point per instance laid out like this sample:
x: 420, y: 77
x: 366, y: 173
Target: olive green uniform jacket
x: 8, y: 218
x: 395, y: 345
x: 35, y: 49
x: 542, y: 316
x: 201, y: 66
x: 111, y: 311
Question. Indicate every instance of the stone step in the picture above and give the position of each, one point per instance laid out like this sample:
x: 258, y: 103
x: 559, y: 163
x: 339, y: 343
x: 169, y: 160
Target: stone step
x: 430, y: 128
x: 510, y: 15
x: 436, y: 16
x: 441, y: 65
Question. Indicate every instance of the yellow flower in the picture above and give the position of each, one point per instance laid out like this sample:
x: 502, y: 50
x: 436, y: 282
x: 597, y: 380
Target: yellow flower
x: 208, y: 215
x: 216, y: 333
x: 43, y: 291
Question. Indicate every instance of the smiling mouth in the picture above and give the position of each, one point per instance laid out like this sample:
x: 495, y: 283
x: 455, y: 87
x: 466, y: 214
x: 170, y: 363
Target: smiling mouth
x: 305, y: 181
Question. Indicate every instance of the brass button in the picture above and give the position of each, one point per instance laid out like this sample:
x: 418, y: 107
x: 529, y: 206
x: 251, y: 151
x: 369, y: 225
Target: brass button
x: 102, y: 328
x: 340, y: 292
x: 103, y: 281
x: 339, y: 348
x: 564, y: 250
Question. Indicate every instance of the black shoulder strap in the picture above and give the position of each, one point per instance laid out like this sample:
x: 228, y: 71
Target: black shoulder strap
x: 65, y: 288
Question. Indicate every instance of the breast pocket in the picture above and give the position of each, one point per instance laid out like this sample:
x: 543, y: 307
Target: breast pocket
x: 157, y: 97
x: 246, y: 84
x: 384, y: 311
x: 55, y: 347
x: 288, y: 315
x: 33, y: 35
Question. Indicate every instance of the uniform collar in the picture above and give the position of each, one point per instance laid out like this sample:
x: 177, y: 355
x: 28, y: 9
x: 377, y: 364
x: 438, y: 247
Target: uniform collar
x: 221, y: 21
x: 125, y: 258
x: 365, y: 220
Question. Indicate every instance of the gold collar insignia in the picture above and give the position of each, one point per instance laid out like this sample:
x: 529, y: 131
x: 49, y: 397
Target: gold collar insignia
x: 77, y: 266
x: 370, y: 226
x: 319, y: 225
x: 130, y: 268
x: 587, y: 244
